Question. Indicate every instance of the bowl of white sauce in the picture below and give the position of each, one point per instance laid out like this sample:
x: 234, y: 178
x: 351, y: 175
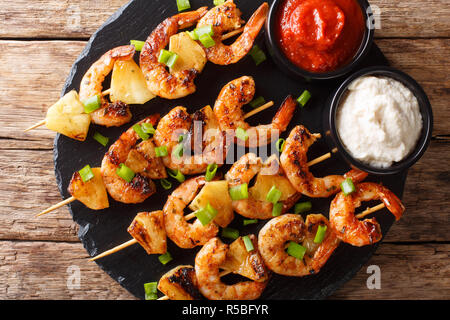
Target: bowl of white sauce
x: 380, y: 120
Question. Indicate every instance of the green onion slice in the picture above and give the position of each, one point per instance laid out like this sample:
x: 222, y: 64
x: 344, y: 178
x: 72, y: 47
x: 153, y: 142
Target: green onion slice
x: 239, y: 192
x: 86, y: 173
x: 151, y: 291
x: 178, y: 151
x: 168, y: 58
x: 166, y: 184
x: 280, y: 144
x: 138, y: 129
x: 92, y: 104
x: 257, y: 54
x: 183, y: 5
x: 125, y: 173
x: 206, y: 214
x: 246, y: 222
x: 211, y: 171
x: 138, y: 45
x: 207, y: 41
x: 302, y: 207
x: 148, y: 128
x: 218, y: 2
x: 161, y: 151
x: 320, y: 234
x: 230, y: 233
x: 257, y: 102
x: 347, y: 186
x: 248, y: 243
x: 273, y: 195
x: 165, y: 258
x: 208, y: 29
x: 277, y: 208
x: 192, y: 34
x: 241, y: 134
x: 296, y: 250
x: 176, y: 174
x: 101, y: 139
x: 304, y: 97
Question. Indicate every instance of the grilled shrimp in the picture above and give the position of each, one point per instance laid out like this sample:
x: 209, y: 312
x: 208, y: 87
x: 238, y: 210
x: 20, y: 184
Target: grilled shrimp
x: 243, y: 171
x: 185, y: 234
x: 109, y: 114
x: 228, y: 109
x: 274, y: 236
x: 295, y: 163
x: 226, y: 17
x: 159, y: 81
x: 203, y: 142
x: 361, y: 232
x: 141, y: 187
x: 207, y: 263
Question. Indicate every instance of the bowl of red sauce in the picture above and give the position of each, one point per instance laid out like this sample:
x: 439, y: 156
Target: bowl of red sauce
x: 319, y: 39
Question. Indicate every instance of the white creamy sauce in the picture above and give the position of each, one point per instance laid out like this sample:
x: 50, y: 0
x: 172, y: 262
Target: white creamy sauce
x: 379, y: 121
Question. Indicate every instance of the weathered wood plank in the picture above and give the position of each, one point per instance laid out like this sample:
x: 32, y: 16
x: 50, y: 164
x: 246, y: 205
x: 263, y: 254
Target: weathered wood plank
x: 79, y: 19
x: 39, y: 270
x: 426, y: 198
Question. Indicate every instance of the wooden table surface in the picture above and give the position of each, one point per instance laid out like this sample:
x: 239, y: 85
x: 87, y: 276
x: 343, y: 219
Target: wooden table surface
x: 39, y: 41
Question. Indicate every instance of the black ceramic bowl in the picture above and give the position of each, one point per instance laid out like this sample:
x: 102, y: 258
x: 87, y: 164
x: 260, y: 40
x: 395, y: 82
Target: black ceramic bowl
x: 291, y: 69
x: 425, y: 110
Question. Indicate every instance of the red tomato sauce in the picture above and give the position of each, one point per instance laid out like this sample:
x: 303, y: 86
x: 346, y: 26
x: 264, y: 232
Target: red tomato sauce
x: 320, y: 35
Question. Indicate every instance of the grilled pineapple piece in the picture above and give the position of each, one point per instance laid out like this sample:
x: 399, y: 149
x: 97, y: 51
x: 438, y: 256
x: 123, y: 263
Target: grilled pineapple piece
x: 67, y: 117
x: 91, y: 193
x: 264, y: 183
x: 128, y: 84
x: 216, y: 194
x: 148, y: 229
x: 190, y: 53
x: 180, y: 283
x: 247, y: 264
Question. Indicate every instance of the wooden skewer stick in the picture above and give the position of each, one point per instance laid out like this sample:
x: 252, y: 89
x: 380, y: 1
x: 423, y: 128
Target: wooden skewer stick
x: 370, y: 210
x: 40, y: 123
x: 232, y: 33
x: 259, y: 109
x: 115, y: 249
x: 56, y: 206
x: 321, y: 158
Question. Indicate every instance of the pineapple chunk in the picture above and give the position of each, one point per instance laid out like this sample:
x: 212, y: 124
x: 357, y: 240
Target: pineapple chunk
x: 91, y: 193
x: 180, y: 283
x: 216, y: 194
x: 148, y: 229
x: 247, y: 264
x: 67, y: 117
x: 264, y: 183
x: 190, y: 54
x: 128, y: 84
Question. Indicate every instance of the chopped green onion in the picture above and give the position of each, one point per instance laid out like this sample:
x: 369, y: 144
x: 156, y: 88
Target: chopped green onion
x: 138, y: 45
x: 165, y: 258
x: 178, y: 150
x: 320, y: 234
x: 211, y: 171
x: 192, y: 34
x: 151, y: 291
x: 304, y: 97
x: 257, y: 54
x: 208, y: 29
x: 168, y: 58
x: 161, y: 151
x: 148, y: 128
x: 302, y: 207
x: 101, y: 139
x: 206, y: 215
x: 183, y: 5
x: 239, y: 192
x: 176, y: 174
x: 181, y: 137
x: 246, y: 222
x: 92, y: 104
x: 280, y: 144
x: 138, y: 129
x: 248, y: 243
x: 86, y: 173
x: 241, y: 134
x: 273, y: 195
x: 277, y: 208
x: 296, y: 250
x: 230, y: 233
x: 207, y: 41
x: 166, y: 184
x: 218, y: 2
x: 125, y: 173
x: 257, y: 102
x: 347, y: 186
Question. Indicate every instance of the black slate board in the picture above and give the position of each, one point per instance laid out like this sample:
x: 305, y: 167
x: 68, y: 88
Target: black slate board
x: 102, y: 230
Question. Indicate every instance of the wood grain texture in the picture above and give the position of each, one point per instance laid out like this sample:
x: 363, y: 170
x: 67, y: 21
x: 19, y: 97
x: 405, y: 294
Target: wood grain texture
x: 79, y: 19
